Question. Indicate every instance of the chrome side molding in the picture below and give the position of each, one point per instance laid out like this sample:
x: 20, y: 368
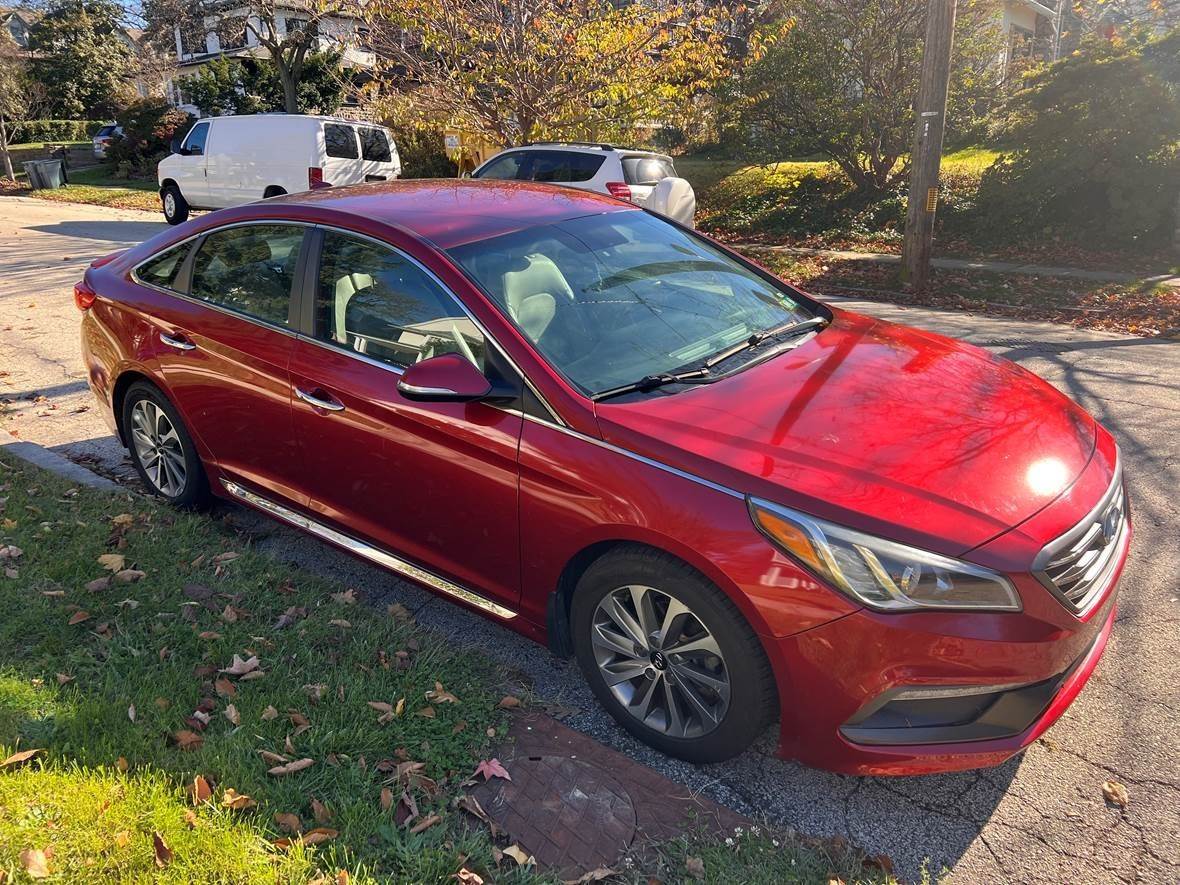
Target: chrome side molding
x: 369, y: 552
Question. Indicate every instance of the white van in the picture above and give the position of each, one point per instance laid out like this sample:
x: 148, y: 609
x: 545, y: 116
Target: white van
x: 227, y: 161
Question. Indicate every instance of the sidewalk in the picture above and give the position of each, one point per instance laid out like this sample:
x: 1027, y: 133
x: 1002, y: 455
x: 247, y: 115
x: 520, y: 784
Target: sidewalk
x: 1037, y: 270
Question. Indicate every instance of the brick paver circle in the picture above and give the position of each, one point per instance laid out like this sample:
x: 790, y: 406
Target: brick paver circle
x: 569, y: 814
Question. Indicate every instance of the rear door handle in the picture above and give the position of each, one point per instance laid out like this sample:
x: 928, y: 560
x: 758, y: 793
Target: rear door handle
x: 177, y: 341
x: 329, y: 405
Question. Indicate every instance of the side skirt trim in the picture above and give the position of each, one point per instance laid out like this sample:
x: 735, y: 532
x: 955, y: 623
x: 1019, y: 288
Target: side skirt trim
x: 369, y: 552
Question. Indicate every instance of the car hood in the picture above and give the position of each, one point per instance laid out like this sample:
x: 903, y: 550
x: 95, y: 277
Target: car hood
x: 898, y: 432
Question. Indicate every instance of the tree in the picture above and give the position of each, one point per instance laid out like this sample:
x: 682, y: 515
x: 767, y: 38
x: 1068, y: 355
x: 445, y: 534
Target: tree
x: 77, y: 55
x: 839, y: 77
x: 516, y: 70
x: 253, y: 86
x: 288, y: 32
x: 13, y: 88
x: 1096, y: 154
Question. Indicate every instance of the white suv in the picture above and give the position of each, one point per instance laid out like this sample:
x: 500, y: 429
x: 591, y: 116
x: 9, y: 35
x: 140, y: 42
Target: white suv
x: 645, y: 178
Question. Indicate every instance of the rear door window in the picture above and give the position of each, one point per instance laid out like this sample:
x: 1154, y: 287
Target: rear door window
x: 163, y: 269
x: 566, y: 166
x: 249, y: 269
x: 647, y: 170
x: 340, y: 141
x: 375, y: 146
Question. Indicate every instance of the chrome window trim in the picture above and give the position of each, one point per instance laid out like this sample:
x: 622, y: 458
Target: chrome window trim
x: 368, y: 551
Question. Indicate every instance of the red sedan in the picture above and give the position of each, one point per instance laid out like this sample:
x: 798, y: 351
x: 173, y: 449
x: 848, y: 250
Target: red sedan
x: 730, y: 502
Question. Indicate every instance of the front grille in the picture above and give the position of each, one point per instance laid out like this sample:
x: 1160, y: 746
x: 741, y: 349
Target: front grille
x: 1077, y: 566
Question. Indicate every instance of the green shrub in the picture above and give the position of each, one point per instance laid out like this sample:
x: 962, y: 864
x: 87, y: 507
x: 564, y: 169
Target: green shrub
x: 1098, y: 158
x: 422, y: 154
x: 20, y: 131
x: 148, y: 128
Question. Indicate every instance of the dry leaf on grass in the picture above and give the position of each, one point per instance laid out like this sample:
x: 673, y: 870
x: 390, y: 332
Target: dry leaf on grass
x: 36, y: 863
x: 491, y: 768
x: 340, y: 622
x: 440, y: 695
x: 348, y: 597
x: 242, y: 667
x: 291, y: 767
x: 1116, y: 794
x: 426, y: 823
x: 289, y: 823
x: 188, y: 740
x: 199, y: 790
x: 98, y: 584
x: 131, y: 712
x: 236, y: 801
x: 231, y: 713
x: 163, y: 852
x: 78, y: 617
x: 224, y: 687
x: 268, y: 756
x: 269, y: 713
x: 695, y: 867
x: 17, y: 758
x: 228, y: 556
x: 468, y: 877
x: 508, y: 702
x: 596, y: 875
x: 386, y: 798
x: 519, y: 855
x: 321, y: 812
x: 113, y: 562
x: 63, y: 678
x: 122, y: 764
x: 129, y: 576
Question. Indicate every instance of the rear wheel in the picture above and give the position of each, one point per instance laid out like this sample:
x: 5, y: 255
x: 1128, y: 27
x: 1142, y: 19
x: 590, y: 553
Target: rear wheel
x: 161, y: 448
x: 174, y: 203
x: 273, y: 191
x: 670, y: 656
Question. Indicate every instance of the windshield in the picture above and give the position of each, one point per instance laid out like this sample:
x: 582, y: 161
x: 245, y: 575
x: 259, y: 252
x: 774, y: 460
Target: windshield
x: 608, y: 299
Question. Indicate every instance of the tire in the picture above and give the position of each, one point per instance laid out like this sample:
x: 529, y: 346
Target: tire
x: 273, y: 191
x: 175, y: 474
x: 736, y: 687
x: 175, y: 205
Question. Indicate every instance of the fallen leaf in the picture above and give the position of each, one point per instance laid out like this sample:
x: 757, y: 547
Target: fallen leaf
x: 78, y: 617
x: 348, y: 597
x: 122, y: 838
x: 318, y: 836
x: 63, y: 679
x: 398, y: 611
x: 209, y: 634
x: 240, y: 667
x: 188, y: 740
x: 695, y: 867
x: 236, y: 801
x: 224, y: 687
x: 121, y: 764
x: 269, y: 713
x: 229, y: 615
x: 596, y: 875
x: 340, y: 622
x: 400, y: 707
x: 228, y: 556
x: 1116, y: 794
x: 112, y: 561
x: 468, y: 877
x: 123, y: 520
x: 426, y: 823
x: 53, y: 594
x: 427, y: 711
x: 35, y: 862
x: 491, y: 768
x: 190, y: 818
x: 131, y: 712
x: 508, y: 702
x: 291, y: 767
x: 289, y: 823
x: 320, y: 811
x: 519, y: 855
x: 268, y: 756
x: 163, y: 852
x: 231, y: 713
x: 99, y: 584
x: 129, y: 575
x: 17, y: 758
x: 199, y: 790
x: 380, y: 706
x: 440, y: 695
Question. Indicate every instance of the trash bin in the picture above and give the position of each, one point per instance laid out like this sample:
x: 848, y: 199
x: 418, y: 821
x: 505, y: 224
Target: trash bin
x: 45, y: 174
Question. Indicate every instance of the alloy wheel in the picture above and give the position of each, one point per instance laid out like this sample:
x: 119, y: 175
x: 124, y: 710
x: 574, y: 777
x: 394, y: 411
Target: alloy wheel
x: 169, y: 204
x: 660, y: 661
x: 158, y: 447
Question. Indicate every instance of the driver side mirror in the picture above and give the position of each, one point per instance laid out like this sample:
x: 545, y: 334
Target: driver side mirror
x: 449, y: 378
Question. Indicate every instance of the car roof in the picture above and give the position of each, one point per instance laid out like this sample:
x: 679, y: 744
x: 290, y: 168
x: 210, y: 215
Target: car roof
x: 450, y: 212
x: 312, y: 117
x: 584, y: 148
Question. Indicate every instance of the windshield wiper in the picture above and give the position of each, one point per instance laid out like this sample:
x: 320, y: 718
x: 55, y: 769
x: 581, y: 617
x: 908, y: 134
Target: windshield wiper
x: 651, y: 382
x: 795, y: 327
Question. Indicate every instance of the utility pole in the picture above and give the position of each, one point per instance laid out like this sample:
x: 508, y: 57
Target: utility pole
x: 927, y: 153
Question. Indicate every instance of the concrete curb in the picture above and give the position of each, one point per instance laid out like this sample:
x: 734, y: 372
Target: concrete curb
x: 39, y: 456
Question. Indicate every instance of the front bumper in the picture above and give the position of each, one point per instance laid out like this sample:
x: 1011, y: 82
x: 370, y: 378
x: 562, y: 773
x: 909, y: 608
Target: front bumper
x: 843, y: 673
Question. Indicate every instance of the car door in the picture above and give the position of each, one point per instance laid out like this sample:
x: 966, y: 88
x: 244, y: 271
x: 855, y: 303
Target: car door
x: 224, y: 348
x: 342, y: 164
x: 435, y: 483
x: 192, y: 175
x: 376, y: 154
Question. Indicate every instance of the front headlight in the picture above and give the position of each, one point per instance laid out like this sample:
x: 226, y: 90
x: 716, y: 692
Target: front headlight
x: 882, y: 574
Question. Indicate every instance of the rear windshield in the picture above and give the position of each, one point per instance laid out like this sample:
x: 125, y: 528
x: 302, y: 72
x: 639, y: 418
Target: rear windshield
x: 375, y: 146
x: 647, y: 170
x: 340, y: 141
x: 105, y: 130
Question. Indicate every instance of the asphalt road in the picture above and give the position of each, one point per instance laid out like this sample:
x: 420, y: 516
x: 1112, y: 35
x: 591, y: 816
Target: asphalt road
x: 1038, y: 818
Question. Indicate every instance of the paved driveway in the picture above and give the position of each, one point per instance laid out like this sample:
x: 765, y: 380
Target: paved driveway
x: 1040, y: 817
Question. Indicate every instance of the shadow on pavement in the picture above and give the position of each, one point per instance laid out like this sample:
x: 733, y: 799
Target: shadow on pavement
x: 113, y: 230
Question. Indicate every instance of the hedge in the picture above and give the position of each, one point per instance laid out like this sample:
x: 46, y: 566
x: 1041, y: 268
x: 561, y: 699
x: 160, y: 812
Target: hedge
x: 21, y: 131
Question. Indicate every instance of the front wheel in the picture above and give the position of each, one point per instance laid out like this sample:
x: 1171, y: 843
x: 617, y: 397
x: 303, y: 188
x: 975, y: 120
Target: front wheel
x: 670, y: 656
x: 161, y: 448
x: 175, y: 205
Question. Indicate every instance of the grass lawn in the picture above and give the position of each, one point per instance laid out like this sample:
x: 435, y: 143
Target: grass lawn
x: 95, y: 185
x: 1139, y: 308
x: 194, y: 707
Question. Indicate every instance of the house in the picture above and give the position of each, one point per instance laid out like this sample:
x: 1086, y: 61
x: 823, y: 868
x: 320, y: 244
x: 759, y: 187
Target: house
x: 1030, y: 33
x: 235, y: 36
x: 16, y: 24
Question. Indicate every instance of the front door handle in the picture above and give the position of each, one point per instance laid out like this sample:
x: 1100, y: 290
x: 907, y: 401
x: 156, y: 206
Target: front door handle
x: 329, y: 405
x: 177, y: 341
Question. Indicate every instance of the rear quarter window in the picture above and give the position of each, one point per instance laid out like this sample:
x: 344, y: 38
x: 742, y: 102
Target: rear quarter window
x: 647, y: 170
x: 566, y: 166
x: 375, y: 146
x: 340, y: 141
x: 163, y: 269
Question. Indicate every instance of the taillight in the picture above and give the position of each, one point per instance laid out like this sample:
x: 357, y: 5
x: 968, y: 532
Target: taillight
x: 619, y: 189
x: 315, y: 178
x: 83, y: 295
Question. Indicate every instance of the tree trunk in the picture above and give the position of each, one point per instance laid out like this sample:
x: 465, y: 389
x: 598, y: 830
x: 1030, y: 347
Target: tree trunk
x: 4, y: 151
x: 290, y: 87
